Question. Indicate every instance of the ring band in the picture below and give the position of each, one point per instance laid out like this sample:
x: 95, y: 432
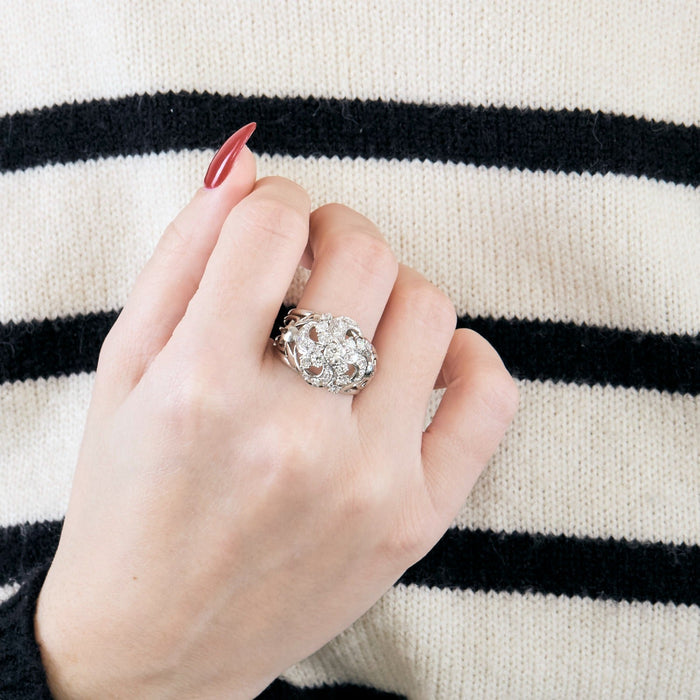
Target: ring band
x: 328, y: 351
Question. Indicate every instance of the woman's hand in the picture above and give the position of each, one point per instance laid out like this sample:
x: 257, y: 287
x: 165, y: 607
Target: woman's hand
x: 227, y: 519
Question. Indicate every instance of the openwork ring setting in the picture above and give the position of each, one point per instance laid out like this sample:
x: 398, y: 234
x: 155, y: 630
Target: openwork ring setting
x: 327, y: 351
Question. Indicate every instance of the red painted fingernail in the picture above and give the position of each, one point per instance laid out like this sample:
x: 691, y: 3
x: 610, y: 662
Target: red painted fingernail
x: 225, y: 157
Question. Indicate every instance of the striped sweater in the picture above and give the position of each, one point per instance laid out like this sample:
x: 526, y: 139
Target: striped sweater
x: 539, y: 162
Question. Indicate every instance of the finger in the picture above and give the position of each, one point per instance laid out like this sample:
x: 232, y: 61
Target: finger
x: 352, y: 267
x: 250, y: 270
x: 411, y: 341
x: 169, y: 279
x: 476, y: 409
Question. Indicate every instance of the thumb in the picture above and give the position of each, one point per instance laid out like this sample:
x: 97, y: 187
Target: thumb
x: 166, y: 284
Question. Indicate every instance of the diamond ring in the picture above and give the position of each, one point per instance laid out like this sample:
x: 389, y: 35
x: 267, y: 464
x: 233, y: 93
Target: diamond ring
x: 328, y: 351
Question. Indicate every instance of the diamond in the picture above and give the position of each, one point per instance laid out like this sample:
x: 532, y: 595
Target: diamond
x: 329, y: 351
x: 342, y: 377
x: 316, y: 358
x: 333, y: 351
x: 321, y: 379
x: 364, y: 346
x: 359, y: 362
x: 339, y: 326
x: 339, y: 364
x: 324, y: 333
x: 304, y: 344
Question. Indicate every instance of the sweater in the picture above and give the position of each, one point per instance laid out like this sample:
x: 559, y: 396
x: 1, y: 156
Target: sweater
x: 539, y: 162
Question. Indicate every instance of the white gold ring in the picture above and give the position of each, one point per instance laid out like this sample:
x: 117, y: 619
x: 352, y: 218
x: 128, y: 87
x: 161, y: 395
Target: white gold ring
x: 328, y: 351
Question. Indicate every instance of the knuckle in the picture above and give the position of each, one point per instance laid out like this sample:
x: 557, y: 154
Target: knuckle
x: 406, y: 545
x: 110, y: 351
x: 126, y: 352
x: 408, y: 540
x: 117, y: 351
x: 365, y: 497
x: 292, y: 190
x: 429, y: 306
x: 331, y: 210
x: 174, y: 240
x: 369, y: 256
x: 192, y: 394
x: 273, y: 218
x: 498, y: 393
x: 293, y: 465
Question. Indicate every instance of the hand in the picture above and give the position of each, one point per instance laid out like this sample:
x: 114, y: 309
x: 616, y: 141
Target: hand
x: 227, y: 519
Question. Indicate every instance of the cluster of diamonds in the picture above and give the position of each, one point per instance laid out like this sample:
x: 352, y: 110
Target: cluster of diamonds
x: 328, y: 351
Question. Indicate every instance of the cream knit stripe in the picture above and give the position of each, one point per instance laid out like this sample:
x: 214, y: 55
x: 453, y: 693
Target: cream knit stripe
x: 620, y: 56
x: 608, y: 250
x: 46, y: 419
x: 603, y: 249
x: 578, y: 460
x: 437, y: 644
x: 593, y: 461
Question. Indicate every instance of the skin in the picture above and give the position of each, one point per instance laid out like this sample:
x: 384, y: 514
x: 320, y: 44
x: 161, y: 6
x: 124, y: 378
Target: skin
x: 227, y: 519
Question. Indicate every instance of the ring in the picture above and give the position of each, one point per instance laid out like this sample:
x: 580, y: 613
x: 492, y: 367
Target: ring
x: 328, y: 351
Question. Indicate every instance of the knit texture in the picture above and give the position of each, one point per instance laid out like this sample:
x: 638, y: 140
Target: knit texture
x: 21, y: 671
x: 538, y: 162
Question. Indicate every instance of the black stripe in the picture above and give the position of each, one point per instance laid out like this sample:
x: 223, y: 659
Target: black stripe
x: 282, y: 690
x: 586, y: 354
x: 52, y: 347
x: 489, y: 561
x: 535, y: 350
x: 534, y: 139
x: 22, y: 547
x: 585, y: 567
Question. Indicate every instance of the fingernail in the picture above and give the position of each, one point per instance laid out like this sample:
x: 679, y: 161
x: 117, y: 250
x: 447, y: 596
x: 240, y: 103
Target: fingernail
x: 225, y: 157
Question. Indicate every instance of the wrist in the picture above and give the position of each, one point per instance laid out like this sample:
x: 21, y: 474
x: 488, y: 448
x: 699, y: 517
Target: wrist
x: 67, y: 668
x: 77, y: 668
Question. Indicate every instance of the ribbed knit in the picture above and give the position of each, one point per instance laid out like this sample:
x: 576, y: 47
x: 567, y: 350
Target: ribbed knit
x: 21, y: 671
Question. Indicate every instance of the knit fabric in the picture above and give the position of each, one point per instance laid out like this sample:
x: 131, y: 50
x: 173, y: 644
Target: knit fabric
x: 539, y: 162
x: 21, y: 672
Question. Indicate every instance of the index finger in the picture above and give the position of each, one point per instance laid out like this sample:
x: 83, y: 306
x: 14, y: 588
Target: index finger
x: 251, y: 268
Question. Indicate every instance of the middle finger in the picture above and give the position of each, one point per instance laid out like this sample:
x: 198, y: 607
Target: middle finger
x: 353, y: 268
